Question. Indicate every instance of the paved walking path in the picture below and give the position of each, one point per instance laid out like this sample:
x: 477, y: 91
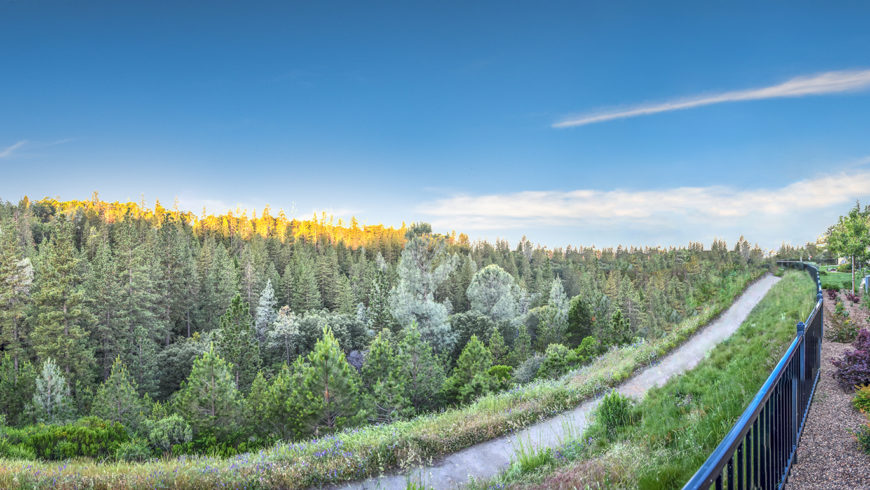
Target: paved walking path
x: 487, y: 459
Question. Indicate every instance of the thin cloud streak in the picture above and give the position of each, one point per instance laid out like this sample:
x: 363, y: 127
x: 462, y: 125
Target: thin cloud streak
x: 820, y: 84
x: 707, y: 206
x: 9, y: 150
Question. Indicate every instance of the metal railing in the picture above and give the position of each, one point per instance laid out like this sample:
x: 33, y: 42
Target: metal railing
x: 760, y: 449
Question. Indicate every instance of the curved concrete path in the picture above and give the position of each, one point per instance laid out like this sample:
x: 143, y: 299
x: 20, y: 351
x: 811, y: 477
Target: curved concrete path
x: 487, y: 459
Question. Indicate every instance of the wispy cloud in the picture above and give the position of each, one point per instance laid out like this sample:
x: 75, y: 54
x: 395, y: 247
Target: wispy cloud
x: 696, y: 211
x: 823, y: 83
x: 9, y: 150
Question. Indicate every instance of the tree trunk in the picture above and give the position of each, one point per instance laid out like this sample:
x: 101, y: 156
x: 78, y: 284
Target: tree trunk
x: 853, y: 274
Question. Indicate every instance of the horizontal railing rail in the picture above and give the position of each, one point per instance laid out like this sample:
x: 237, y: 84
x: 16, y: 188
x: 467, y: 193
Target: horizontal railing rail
x: 760, y: 449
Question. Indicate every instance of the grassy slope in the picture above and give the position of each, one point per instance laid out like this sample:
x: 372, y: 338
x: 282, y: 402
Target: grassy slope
x: 371, y: 450
x: 678, y: 425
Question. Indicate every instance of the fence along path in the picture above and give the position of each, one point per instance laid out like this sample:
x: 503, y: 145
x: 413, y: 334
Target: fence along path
x: 487, y: 459
x: 759, y: 450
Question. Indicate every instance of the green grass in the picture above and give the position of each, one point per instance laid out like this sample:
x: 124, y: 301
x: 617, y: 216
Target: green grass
x: 367, y: 451
x: 837, y: 280
x: 677, y: 426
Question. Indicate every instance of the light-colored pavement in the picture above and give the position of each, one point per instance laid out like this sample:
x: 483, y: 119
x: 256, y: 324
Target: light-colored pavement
x: 487, y: 459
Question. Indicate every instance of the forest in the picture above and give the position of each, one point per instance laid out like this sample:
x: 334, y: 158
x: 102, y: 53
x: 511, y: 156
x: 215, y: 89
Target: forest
x: 130, y: 332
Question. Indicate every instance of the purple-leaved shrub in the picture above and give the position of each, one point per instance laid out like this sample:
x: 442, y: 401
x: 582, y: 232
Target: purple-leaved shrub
x: 853, y: 369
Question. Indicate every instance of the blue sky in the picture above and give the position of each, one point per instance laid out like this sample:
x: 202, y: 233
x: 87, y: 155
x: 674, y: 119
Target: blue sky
x: 450, y: 112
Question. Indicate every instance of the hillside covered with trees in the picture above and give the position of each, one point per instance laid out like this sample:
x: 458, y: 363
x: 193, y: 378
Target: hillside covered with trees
x: 162, y: 332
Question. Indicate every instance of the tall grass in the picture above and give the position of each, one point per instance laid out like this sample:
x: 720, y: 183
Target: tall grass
x: 371, y: 450
x: 674, y: 428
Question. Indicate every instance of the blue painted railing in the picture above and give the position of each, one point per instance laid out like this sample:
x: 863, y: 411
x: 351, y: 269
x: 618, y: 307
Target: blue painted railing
x: 760, y: 449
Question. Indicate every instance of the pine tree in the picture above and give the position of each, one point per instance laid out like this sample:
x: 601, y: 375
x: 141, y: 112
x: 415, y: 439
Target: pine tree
x: 52, y: 403
x: 328, y: 278
x: 17, y: 386
x: 330, y: 386
x: 494, y: 293
x: 284, y: 335
x: 102, y: 287
x: 257, y: 406
x: 16, y: 276
x: 497, y: 347
x: 421, y: 370
x: 382, y: 380
x: 266, y: 315
x: 218, y: 284
x: 59, y: 313
x: 286, y: 401
x: 522, y: 346
x: 118, y: 400
x: 473, y: 363
x: 424, y: 265
x: 378, y: 312
x: 300, y: 284
x: 580, y: 322
x: 208, y: 399
x: 237, y: 343
x: 345, y: 300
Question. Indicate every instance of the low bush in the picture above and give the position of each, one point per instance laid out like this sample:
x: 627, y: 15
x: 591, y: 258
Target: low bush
x: 841, y: 329
x: 853, y: 369
x: 528, y: 369
x: 863, y: 437
x: 861, y: 401
x: 853, y: 298
x: 614, y: 412
x: 832, y: 294
x: 133, y: 450
x: 88, y: 437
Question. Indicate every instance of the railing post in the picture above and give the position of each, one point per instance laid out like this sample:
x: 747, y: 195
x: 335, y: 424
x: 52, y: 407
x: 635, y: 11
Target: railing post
x: 796, y: 382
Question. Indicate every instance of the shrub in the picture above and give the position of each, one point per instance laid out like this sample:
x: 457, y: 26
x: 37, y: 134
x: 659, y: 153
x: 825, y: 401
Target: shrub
x: 528, y: 369
x: 853, y: 369
x: 88, y: 437
x: 614, y: 412
x: 863, y: 437
x: 840, y: 309
x: 847, y: 267
x: 557, y: 361
x: 133, y: 450
x: 832, y: 294
x: 501, y: 375
x: 841, y: 329
x: 588, y: 350
x: 168, y: 432
x: 861, y: 401
x: 852, y: 297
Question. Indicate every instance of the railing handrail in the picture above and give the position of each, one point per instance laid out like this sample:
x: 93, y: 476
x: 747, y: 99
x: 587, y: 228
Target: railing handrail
x: 718, y: 459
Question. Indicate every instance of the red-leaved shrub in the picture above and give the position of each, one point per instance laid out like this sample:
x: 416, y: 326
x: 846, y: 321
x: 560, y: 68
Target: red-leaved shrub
x: 853, y: 369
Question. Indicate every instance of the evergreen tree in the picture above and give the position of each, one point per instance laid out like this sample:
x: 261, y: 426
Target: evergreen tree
x: 17, y: 386
x: 286, y: 401
x: 330, y: 386
x: 379, y: 314
x: 580, y: 323
x: 16, y: 276
x: 473, y: 363
x: 497, y: 347
x: 237, y: 343
x: 382, y: 380
x: 421, y: 370
x: 284, y: 335
x: 424, y: 265
x: 208, y: 399
x: 345, y: 300
x: 102, y: 298
x: 522, y: 346
x: 300, y: 284
x: 52, y: 403
x: 328, y: 278
x: 494, y: 293
x: 257, y: 406
x: 118, y: 400
x: 266, y: 315
x: 218, y: 283
x: 59, y: 314
x: 138, y: 304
